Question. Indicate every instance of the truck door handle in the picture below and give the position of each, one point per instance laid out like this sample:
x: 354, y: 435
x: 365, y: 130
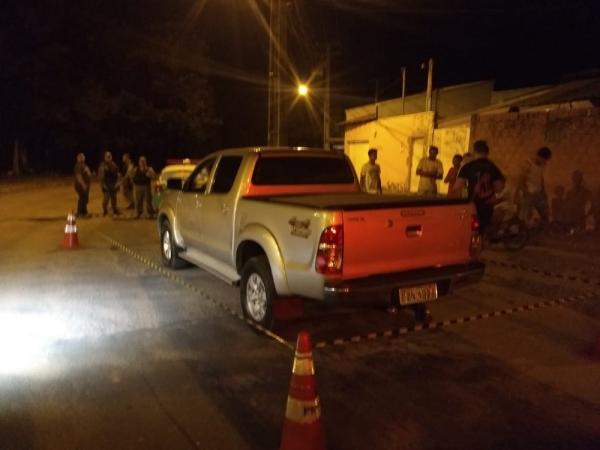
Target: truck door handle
x: 414, y: 231
x: 225, y: 208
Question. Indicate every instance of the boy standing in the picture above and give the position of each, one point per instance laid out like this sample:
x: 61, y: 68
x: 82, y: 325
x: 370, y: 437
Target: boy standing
x: 370, y: 174
x: 452, y: 175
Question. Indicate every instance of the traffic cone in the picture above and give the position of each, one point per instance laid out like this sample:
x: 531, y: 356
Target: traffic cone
x: 71, y: 241
x: 302, y: 428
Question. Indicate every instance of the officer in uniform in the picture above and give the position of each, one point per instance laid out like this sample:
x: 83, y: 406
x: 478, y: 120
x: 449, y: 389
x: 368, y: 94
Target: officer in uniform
x: 108, y: 175
x: 83, y: 177
x: 142, y: 187
x: 126, y: 182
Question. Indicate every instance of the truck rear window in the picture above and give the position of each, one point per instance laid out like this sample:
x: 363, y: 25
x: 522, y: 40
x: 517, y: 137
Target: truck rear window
x: 302, y: 170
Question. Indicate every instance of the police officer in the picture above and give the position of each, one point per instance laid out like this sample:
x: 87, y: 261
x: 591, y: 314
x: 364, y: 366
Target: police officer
x: 126, y: 182
x: 142, y: 187
x: 83, y: 176
x: 108, y: 175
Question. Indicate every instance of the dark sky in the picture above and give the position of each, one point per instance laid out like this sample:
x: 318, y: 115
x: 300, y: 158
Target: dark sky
x: 517, y: 43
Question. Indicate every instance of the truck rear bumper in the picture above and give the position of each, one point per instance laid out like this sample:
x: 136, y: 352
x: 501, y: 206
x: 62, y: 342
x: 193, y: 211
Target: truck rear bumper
x: 387, y: 285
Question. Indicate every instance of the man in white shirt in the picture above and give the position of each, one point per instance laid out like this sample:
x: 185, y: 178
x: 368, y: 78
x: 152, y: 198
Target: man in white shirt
x: 430, y: 169
x: 531, y: 187
x: 370, y: 174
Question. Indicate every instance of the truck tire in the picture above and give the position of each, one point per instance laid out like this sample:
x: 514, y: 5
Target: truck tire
x: 168, y: 248
x: 257, y: 292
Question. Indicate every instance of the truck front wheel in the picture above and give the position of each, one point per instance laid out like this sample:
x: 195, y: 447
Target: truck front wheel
x: 168, y: 248
x: 257, y: 292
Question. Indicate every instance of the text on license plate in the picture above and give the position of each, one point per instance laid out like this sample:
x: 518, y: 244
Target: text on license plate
x: 418, y: 294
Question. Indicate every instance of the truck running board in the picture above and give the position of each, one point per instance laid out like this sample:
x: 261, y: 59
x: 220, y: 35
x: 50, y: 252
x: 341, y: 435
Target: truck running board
x: 211, y: 265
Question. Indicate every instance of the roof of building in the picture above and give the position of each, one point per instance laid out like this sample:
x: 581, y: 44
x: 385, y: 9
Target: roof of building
x: 455, y: 104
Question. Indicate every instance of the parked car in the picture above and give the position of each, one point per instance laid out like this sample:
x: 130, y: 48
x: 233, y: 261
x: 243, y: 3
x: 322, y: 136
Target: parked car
x: 175, y: 168
x: 294, y: 222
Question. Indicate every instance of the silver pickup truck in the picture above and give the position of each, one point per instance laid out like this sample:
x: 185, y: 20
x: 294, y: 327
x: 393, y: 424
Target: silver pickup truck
x: 293, y: 222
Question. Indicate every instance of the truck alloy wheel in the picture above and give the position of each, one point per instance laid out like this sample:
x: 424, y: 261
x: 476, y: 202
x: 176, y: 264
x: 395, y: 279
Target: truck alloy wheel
x: 257, y: 291
x: 166, y: 245
x: 168, y: 249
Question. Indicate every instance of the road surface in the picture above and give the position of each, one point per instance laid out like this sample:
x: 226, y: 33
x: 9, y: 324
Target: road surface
x: 99, y: 349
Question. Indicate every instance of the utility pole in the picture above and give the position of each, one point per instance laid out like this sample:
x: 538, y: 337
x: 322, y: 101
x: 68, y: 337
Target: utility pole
x: 403, y: 89
x: 428, y: 99
x: 327, y: 100
x: 274, y: 88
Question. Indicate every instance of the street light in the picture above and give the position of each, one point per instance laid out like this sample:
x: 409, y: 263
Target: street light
x: 302, y: 90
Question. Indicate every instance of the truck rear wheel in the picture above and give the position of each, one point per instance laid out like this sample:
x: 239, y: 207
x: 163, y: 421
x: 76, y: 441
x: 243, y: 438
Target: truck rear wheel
x: 257, y: 292
x: 168, y: 248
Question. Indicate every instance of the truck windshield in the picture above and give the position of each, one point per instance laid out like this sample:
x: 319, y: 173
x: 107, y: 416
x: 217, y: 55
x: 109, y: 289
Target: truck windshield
x: 278, y: 170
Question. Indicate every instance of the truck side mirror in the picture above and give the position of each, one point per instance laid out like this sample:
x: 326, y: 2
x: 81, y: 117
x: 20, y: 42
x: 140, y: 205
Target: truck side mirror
x: 175, y: 184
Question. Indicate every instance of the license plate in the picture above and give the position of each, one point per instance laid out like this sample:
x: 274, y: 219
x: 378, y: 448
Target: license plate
x: 418, y: 294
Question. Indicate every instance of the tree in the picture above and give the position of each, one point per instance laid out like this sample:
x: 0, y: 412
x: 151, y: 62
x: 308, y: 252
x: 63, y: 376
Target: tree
x: 103, y: 73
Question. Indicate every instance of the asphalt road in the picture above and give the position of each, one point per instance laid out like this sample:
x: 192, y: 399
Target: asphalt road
x: 99, y: 350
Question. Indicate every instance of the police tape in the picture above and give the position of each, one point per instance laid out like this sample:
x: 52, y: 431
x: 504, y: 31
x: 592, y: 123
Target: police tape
x: 545, y: 273
x: 399, y: 332
x: 205, y: 296
x: 372, y: 336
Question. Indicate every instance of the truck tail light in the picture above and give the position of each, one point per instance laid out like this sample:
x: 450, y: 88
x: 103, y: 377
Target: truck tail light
x: 475, y: 247
x: 330, y: 252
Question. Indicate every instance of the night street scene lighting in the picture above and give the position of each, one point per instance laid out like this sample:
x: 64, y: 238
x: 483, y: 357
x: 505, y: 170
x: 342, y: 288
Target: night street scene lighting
x: 340, y: 224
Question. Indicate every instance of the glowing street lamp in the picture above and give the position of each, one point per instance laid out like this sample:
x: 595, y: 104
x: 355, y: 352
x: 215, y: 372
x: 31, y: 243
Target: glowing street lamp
x: 302, y: 90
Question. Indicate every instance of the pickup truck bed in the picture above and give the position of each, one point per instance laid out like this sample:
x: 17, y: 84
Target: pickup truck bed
x: 293, y: 222
x: 359, y: 200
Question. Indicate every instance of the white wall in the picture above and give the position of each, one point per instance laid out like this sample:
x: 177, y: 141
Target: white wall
x: 393, y: 137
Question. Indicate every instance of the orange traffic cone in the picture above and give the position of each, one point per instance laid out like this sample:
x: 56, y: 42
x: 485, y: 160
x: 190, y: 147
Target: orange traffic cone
x: 71, y: 240
x: 302, y: 428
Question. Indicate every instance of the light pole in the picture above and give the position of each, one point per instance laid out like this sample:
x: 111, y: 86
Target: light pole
x: 327, y: 101
x: 277, y: 48
x: 428, y: 95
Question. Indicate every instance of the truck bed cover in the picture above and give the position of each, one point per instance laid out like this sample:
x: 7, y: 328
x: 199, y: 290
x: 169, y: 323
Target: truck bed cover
x: 357, y: 201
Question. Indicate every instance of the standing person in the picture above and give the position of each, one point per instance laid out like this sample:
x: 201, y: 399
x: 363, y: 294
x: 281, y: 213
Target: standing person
x: 108, y: 175
x: 142, y: 185
x: 370, y: 174
x: 579, y: 204
x: 452, y: 175
x: 430, y: 169
x: 531, y: 189
x: 83, y: 177
x: 126, y: 182
x: 466, y: 158
x: 482, y: 179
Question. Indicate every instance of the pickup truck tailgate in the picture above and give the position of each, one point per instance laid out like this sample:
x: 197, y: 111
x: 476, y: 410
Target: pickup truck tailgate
x: 380, y: 241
